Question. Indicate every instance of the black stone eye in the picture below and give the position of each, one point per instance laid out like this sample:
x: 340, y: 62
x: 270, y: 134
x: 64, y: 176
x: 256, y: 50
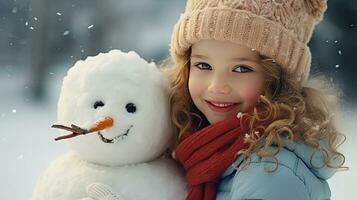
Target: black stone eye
x: 98, y: 104
x: 130, y: 107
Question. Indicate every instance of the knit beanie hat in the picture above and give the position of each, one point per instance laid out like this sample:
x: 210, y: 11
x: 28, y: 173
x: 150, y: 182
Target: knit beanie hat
x: 278, y: 29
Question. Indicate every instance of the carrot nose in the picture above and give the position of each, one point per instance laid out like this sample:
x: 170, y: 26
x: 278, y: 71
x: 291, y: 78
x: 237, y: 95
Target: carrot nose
x: 102, y: 124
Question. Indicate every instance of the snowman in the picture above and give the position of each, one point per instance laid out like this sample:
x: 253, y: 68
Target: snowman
x: 113, y: 113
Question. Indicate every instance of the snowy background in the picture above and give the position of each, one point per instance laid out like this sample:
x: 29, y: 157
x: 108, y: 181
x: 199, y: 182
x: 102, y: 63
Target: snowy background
x: 40, y: 40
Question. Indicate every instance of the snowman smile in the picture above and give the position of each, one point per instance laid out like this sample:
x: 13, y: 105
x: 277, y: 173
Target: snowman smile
x: 116, y: 138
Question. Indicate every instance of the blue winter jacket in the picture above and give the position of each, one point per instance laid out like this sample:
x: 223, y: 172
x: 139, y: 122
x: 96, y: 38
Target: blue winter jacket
x: 294, y: 179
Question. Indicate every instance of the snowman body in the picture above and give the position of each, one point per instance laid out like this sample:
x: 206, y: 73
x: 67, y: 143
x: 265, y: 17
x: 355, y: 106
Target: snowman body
x: 66, y: 177
x: 128, y: 155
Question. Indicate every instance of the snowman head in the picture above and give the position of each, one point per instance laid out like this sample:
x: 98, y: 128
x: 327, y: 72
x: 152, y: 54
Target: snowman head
x: 129, y: 91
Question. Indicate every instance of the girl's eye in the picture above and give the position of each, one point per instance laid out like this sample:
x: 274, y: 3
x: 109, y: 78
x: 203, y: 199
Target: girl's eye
x: 98, y: 104
x: 242, y: 69
x: 130, y: 108
x: 203, y: 66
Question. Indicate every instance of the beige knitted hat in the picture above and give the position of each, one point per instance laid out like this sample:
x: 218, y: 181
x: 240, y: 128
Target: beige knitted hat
x: 278, y: 29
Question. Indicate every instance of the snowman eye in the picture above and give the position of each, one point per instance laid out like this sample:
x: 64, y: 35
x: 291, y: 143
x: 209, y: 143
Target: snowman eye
x: 130, y: 107
x: 98, y: 104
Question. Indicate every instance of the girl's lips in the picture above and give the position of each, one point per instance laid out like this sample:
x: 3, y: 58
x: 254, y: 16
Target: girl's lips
x: 221, y: 106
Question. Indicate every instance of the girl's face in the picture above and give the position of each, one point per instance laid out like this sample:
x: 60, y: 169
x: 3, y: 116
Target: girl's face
x: 225, y: 78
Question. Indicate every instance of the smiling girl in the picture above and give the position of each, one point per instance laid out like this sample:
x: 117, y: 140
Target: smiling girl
x: 251, y: 124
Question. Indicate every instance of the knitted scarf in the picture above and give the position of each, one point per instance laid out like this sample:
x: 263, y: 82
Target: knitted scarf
x: 207, y: 153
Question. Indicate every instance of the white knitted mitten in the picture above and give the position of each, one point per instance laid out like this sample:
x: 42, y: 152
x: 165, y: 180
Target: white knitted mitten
x: 99, y: 191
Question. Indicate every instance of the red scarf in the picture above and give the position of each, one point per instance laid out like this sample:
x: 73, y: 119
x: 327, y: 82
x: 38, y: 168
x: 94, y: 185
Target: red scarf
x: 207, y: 153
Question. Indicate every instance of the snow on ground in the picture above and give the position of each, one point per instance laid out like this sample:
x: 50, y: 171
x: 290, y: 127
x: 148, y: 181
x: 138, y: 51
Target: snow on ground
x: 27, y: 145
x: 343, y: 184
x: 26, y: 139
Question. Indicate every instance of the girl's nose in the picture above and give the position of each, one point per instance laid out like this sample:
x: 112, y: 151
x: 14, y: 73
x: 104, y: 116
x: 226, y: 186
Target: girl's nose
x: 219, y: 86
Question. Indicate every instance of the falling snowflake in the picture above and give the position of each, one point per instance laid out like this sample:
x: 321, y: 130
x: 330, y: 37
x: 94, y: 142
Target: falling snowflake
x: 59, y: 14
x: 91, y: 26
x: 14, y: 10
x: 14, y: 111
x: 337, y: 66
x: 340, y: 52
x: 66, y: 32
x: 239, y: 115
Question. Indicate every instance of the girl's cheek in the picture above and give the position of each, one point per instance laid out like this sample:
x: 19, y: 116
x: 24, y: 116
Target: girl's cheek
x: 192, y: 88
x: 251, y: 95
x: 194, y: 85
x: 197, y: 82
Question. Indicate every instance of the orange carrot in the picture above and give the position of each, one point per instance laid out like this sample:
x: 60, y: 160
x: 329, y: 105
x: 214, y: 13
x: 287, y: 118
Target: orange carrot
x: 103, y: 124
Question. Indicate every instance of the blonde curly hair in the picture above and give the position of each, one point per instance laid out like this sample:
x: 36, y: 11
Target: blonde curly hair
x: 297, y: 112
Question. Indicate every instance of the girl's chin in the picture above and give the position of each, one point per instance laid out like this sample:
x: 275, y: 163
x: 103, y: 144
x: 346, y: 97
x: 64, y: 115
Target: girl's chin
x: 215, y: 119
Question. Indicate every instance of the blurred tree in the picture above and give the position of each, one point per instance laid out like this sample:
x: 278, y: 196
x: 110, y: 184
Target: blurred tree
x: 39, y: 48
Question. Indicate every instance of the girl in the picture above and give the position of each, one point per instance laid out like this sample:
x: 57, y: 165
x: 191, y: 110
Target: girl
x: 249, y: 124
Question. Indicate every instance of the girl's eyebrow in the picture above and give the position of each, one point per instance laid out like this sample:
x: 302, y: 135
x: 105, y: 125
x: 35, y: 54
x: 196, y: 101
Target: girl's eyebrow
x: 244, y: 59
x: 199, y: 56
x: 233, y: 59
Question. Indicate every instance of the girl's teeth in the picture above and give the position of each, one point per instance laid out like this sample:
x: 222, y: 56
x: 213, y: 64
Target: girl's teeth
x: 222, y: 105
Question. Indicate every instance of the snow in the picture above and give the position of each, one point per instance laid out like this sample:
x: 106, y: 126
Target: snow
x: 66, y: 32
x: 343, y: 183
x: 14, y: 10
x: 148, y: 178
x: 26, y: 145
